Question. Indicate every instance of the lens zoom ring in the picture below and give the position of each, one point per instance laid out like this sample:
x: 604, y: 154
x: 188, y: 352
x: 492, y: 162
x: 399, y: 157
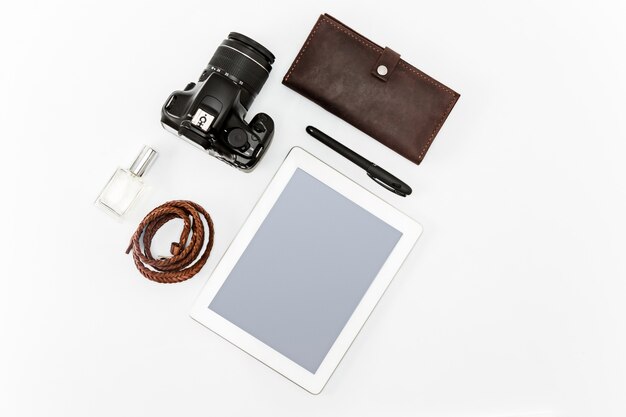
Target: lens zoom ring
x: 240, y: 67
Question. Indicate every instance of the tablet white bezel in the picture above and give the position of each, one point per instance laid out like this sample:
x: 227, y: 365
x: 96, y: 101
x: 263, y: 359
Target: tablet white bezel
x: 298, y: 158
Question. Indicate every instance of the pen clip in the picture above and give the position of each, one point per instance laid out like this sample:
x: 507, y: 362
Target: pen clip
x: 387, y: 186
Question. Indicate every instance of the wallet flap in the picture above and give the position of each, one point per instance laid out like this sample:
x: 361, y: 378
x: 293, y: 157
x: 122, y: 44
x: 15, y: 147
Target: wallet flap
x: 371, y: 88
x: 386, y: 64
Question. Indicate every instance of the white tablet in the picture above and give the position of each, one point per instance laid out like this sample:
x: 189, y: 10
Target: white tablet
x: 306, y: 270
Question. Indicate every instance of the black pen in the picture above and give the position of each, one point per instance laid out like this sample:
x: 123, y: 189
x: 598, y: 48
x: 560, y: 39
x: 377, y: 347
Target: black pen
x: 375, y: 172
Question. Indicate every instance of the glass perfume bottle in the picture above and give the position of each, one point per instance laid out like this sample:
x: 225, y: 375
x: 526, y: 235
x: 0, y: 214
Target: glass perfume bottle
x: 126, y: 184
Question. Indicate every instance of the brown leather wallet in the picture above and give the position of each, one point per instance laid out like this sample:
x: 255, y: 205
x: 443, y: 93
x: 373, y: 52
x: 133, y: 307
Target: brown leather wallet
x: 371, y: 88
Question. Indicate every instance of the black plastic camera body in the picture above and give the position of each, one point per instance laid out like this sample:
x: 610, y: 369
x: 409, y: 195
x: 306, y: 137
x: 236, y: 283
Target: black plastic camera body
x: 210, y: 113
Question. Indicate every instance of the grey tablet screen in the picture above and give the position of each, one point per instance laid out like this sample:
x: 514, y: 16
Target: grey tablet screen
x: 305, y: 270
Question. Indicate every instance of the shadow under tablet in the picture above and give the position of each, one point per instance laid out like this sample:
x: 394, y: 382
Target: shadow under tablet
x: 299, y: 280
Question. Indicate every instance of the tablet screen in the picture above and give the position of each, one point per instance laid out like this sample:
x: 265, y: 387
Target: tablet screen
x: 305, y: 271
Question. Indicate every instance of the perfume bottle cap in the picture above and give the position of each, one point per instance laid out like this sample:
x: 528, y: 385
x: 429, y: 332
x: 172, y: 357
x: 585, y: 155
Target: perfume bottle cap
x: 143, y: 161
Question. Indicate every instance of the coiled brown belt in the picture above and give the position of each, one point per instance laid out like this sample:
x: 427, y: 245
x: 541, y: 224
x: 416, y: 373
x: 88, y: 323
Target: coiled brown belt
x: 180, y: 266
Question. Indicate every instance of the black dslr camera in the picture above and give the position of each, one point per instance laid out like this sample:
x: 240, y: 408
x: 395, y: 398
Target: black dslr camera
x: 210, y: 113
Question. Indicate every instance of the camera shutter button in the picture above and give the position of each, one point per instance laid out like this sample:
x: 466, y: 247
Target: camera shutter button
x: 237, y: 138
x: 258, y: 127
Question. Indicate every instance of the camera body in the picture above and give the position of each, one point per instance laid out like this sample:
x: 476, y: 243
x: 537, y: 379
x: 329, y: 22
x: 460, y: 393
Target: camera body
x: 210, y: 113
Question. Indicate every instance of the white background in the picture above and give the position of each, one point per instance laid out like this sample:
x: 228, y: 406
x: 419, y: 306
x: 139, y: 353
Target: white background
x: 513, y: 303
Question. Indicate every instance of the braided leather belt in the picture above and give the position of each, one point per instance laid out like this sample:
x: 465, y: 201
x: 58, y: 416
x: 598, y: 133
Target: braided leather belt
x: 187, y: 256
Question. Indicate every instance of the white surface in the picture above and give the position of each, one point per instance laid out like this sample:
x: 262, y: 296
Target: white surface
x: 410, y: 232
x: 515, y: 294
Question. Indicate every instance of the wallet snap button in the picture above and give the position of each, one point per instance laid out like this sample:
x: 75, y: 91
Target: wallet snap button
x: 381, y: 70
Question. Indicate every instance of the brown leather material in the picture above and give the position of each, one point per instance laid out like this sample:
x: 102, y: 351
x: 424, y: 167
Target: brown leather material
x: 334, y: 69
x: 386, y: 64
x: 187, y: 258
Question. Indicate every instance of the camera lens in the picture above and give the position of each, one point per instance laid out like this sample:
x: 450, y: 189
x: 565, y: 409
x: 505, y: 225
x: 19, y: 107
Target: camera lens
x: 245, y: 61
